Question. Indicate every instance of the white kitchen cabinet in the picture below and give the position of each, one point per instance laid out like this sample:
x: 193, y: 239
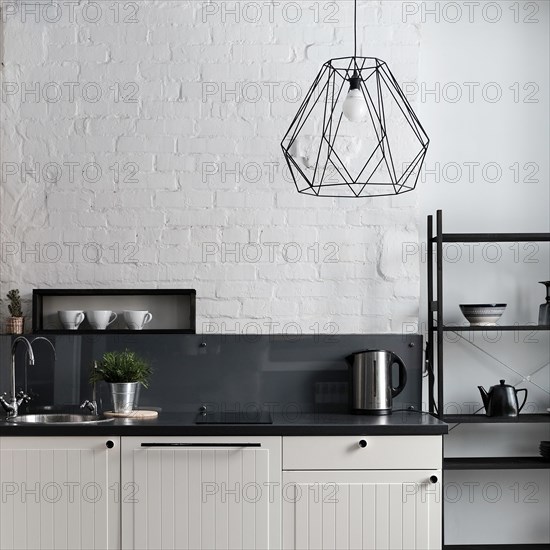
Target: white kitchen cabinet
x: 59, y: 493
x: 202, y: 493
x: 159, y: 493
x: 343, y: 492
x: 374, y: 510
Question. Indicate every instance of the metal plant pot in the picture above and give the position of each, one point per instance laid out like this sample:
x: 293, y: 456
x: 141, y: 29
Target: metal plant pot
x: 124, y: 396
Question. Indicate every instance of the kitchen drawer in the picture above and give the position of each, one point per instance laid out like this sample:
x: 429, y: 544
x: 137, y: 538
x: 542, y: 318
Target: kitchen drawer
x: 347, y: 453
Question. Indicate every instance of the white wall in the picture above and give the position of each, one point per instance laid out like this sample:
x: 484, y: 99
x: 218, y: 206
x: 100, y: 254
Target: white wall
x: 165, y: 72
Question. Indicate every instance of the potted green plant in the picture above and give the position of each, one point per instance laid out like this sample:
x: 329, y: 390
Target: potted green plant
x: 15, y: 324
x: 124, y: 371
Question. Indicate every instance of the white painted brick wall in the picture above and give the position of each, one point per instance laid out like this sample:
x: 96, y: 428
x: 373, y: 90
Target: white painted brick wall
x: 180, y: 156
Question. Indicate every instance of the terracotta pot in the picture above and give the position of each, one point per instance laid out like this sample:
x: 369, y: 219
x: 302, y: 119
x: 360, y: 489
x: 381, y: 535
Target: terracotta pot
x: 15, y: 325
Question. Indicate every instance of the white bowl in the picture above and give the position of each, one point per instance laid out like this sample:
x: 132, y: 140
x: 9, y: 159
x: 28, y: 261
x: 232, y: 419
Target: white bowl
x: 482, y: 314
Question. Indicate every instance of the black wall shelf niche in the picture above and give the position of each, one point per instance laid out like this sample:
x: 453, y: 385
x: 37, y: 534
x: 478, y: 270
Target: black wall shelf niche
x: 173, y: 310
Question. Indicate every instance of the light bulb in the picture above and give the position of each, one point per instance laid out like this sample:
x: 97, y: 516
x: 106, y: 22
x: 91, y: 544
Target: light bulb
x: 355, y: 107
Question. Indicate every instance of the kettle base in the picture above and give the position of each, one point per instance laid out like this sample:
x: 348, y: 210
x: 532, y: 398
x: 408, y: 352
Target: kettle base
x: 372, y: 412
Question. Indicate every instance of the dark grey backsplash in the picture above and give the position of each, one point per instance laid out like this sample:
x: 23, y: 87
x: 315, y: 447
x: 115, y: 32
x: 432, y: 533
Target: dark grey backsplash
x: 289, y: 374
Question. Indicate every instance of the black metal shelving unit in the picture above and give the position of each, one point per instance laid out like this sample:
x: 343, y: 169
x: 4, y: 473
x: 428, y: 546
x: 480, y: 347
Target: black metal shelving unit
x: 435, y: 362
x: 436, y: 326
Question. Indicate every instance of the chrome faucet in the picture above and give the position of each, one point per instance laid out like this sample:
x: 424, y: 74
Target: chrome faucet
x: 11, y: 406
x: 91, y: 405
x: 38, y: 338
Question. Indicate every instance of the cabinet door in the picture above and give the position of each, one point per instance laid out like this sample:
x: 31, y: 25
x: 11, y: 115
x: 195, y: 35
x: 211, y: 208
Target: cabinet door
x: 59, y: 493
x: 201, y: 493
x: 374, y: 510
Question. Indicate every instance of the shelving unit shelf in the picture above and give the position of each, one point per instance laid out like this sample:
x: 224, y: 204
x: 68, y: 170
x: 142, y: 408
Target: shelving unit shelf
x: 497, y: 463
x: 495, y: 328
x: 496, y: 547
x: 491, y: 237
x: 436, y: 238
x: 483, y: 419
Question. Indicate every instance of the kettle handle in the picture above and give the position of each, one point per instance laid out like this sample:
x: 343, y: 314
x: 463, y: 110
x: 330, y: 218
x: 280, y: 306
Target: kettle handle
x: 524, y: 399
x: 402, y: 375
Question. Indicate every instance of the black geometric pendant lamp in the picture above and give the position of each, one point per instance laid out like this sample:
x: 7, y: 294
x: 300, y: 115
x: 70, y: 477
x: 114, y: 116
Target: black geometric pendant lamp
x: 355, y: 134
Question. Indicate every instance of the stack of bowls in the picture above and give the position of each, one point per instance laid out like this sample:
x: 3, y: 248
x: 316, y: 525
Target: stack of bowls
x: 545, y: 449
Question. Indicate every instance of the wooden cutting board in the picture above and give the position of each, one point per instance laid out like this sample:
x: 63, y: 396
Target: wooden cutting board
x: 133, y: 414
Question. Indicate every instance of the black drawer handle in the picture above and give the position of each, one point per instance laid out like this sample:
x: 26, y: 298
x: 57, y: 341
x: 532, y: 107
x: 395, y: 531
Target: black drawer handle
x: 362, y: 443
x: 110, y: 444
x: 201, y: 445
x: 434, y: 479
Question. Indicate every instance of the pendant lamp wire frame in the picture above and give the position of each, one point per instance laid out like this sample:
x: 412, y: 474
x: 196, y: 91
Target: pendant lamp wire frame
x: 328, y: 86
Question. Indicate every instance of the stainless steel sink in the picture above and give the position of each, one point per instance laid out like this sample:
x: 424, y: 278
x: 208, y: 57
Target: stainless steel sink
x: 59, y: 419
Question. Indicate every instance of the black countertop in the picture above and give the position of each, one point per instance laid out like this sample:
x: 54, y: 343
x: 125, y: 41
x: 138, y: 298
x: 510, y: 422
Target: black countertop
x: 183, y: 424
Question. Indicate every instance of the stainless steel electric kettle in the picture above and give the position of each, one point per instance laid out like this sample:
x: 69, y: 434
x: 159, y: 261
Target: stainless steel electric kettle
x: 371, y: 381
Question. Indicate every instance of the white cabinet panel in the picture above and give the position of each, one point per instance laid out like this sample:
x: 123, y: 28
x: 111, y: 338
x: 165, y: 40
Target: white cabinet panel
x: 59, y: 493
x: 202, y: 493
x: 382, y: 510
x: 380, y: 453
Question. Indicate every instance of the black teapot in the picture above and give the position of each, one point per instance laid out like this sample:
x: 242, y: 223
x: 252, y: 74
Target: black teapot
x: 502, y: 400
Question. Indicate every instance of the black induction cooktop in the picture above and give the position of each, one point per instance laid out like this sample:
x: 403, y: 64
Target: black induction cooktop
x: 252, y: 417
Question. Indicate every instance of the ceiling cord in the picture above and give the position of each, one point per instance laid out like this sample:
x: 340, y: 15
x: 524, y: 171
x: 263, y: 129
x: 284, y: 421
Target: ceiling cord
x: 355, y: 29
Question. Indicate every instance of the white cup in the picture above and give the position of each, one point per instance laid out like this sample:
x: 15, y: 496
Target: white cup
x: 70, y: 319
x: 135, y: 320
x: 101, y: 319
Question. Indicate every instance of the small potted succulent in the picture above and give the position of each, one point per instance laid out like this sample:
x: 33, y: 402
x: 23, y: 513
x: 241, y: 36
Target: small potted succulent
x: 124, y: 371
x: 15, y: 324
